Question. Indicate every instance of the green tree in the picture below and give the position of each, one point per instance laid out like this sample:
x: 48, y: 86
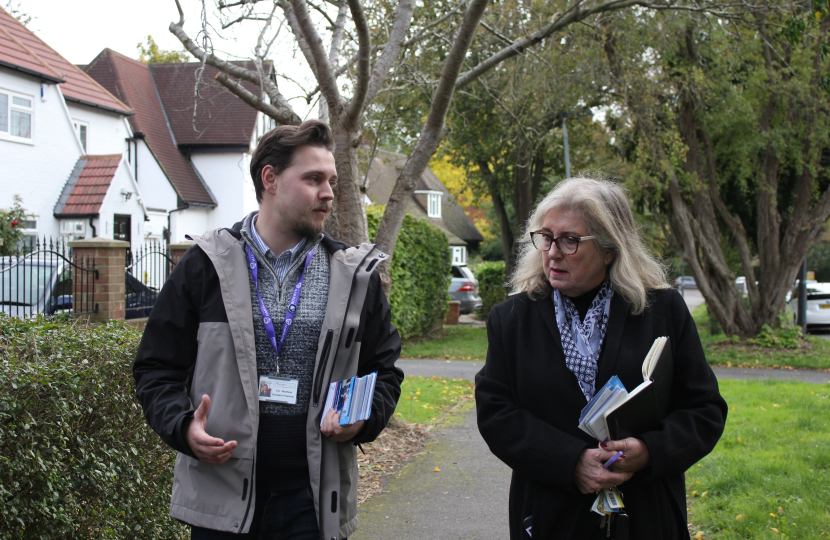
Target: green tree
x: 151, y: 54
x: 726, y: 123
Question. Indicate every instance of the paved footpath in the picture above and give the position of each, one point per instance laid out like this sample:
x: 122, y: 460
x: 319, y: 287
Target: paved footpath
x: 467, y: 499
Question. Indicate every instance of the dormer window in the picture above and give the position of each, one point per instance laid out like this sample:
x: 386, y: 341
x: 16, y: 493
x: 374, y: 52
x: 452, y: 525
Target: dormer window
x: 433, y: 203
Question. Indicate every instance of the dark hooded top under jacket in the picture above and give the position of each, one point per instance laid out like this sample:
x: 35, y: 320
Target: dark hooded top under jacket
x: 529, y: 403
x: 200, y: 338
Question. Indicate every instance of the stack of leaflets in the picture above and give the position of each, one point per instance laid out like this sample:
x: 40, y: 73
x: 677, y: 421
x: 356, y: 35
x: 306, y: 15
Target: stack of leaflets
x: 351, y: 398
x: 616, y: 414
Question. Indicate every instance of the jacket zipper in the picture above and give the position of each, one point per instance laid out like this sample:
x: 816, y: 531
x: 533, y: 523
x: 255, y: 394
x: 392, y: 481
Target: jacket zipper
x: 327, y: 344
x: 321, y: 369
x: 250, y: 495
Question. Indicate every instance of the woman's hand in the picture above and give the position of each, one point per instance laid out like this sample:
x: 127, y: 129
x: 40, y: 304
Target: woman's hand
x: 635, y: 454
x: 590, y: 476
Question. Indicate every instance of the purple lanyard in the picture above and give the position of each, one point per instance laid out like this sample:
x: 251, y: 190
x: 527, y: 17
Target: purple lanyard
x: 253, y: 263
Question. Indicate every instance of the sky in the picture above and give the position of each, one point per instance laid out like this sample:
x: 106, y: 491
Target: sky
x: 80, y: 30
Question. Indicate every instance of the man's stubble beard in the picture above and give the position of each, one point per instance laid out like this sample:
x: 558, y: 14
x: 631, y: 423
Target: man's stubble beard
x: 308, y: 229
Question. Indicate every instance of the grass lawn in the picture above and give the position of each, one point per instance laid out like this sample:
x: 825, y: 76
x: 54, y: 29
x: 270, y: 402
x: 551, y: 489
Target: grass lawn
x: 451, y: 343
x: 423, y: 399
x: 769, y: 476
x: 723, y: 351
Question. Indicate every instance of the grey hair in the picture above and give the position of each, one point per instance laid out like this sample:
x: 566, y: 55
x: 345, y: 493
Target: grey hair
x: 604, y: 207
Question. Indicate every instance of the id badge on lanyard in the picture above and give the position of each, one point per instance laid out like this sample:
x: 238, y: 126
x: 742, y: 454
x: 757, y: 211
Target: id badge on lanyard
x: 273, y: 388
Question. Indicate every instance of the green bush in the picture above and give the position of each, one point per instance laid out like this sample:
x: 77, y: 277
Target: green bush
x: 420, y: 274
x: 491, y: 285
x: 77, y: 459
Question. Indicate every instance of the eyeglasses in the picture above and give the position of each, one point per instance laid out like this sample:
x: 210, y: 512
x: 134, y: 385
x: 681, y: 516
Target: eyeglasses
x: 567, y: 245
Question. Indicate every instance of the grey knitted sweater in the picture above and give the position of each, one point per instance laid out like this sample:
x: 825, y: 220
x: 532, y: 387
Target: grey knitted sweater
x: 281, y: 440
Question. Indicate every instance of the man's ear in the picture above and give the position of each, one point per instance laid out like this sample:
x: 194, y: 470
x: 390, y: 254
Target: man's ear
x: 269, y: 179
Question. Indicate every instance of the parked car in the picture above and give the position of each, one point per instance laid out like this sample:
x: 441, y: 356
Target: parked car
x: 464, y: 288
x: 685, y: 282
x: 818, y: 304
x: 29, y: 286
x: 34, y: 286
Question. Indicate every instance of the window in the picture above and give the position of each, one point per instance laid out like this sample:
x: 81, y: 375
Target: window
x: 433, y: 202
x: 73, y: 227
x: 434, y: 207
x: 29, y: 225
x: 459, y: 255
x: 81, y: 128
x: 16, y: 115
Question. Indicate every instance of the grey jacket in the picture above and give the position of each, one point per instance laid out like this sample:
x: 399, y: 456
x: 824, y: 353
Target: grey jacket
x: 171, y: 374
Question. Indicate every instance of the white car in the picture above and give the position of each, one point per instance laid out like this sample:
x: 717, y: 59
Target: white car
x: 818, y: 304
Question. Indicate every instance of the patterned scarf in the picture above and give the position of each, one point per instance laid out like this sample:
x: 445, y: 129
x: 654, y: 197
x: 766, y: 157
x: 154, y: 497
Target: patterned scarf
x: 582, y: 341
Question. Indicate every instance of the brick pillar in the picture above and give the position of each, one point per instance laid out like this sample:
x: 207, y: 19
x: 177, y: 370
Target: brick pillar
x: 453, y: 312
x: 177, y: 250
x: 110, y: 256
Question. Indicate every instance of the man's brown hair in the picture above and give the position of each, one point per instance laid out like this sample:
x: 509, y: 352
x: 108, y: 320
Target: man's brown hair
x: 276, y: 148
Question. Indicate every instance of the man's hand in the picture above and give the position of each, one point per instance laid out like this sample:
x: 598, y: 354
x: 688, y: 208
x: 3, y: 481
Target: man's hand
x: 589, y: 475
x: 206, y: 448
x: 332, y: 429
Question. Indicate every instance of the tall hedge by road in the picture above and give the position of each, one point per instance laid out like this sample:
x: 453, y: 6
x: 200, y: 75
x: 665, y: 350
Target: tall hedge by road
x: 420, y: 274
x: 77, y: 459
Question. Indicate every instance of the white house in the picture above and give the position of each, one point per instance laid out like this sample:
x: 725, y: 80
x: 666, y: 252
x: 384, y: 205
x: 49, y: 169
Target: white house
x: 113, y: 149
x: 53, y: 117
x: 192, y: 168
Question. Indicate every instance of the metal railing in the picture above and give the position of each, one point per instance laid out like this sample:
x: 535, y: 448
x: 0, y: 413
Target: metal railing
x: 149, y: 267
x: 43, y: 278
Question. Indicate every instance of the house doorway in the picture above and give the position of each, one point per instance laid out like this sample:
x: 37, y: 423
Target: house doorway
x: 122, y: 230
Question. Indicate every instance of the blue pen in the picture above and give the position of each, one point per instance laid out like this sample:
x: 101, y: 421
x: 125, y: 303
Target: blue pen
x: 614, y: 458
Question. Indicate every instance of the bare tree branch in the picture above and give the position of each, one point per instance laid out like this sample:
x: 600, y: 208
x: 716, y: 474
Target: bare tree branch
x: 364, y: 43
x: 315, y: 54
x: 431, y: 134
x: 280, y: 115
x: 394, y: 44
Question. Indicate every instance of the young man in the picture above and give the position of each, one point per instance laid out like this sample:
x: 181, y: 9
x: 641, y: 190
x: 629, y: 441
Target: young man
x: 270, y: 303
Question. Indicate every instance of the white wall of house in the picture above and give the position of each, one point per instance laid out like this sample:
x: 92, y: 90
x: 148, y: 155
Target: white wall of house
x: 228, y: 178
x: 37, y: 168
x: 121, y: 199
x: 193, y: 220
x: 106, y: 132
x: 156, y: 190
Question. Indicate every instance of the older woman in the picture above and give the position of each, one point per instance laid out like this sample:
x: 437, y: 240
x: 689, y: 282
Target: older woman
x: 589, y: 302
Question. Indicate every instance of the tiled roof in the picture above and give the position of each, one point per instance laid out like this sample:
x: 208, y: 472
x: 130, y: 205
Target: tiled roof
x: 22, y: 50
x: 87, y: 186
x: 222, y: 119
x: 384, y: 171
x: 132, y: 82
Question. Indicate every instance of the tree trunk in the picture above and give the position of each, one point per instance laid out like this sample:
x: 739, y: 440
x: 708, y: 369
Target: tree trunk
x: 348, y: 218
x: 507, y: 236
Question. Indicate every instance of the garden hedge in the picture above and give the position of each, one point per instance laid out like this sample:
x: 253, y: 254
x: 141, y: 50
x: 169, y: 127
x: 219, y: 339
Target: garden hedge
x: 420, y: 274
x: 77, y: 459
x: 491, y: 285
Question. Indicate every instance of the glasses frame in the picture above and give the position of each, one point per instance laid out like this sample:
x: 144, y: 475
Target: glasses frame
x: 556, y: 241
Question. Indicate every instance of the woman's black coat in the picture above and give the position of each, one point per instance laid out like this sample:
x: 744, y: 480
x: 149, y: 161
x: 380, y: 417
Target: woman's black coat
x: 529, y: 403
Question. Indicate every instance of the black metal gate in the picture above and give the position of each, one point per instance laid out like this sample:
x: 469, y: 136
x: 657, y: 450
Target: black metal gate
x: 42, y: 278
x: 148, y: 269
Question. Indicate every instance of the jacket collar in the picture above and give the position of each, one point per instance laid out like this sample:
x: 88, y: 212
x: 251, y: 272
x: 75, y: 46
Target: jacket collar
x: 329, y: 244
